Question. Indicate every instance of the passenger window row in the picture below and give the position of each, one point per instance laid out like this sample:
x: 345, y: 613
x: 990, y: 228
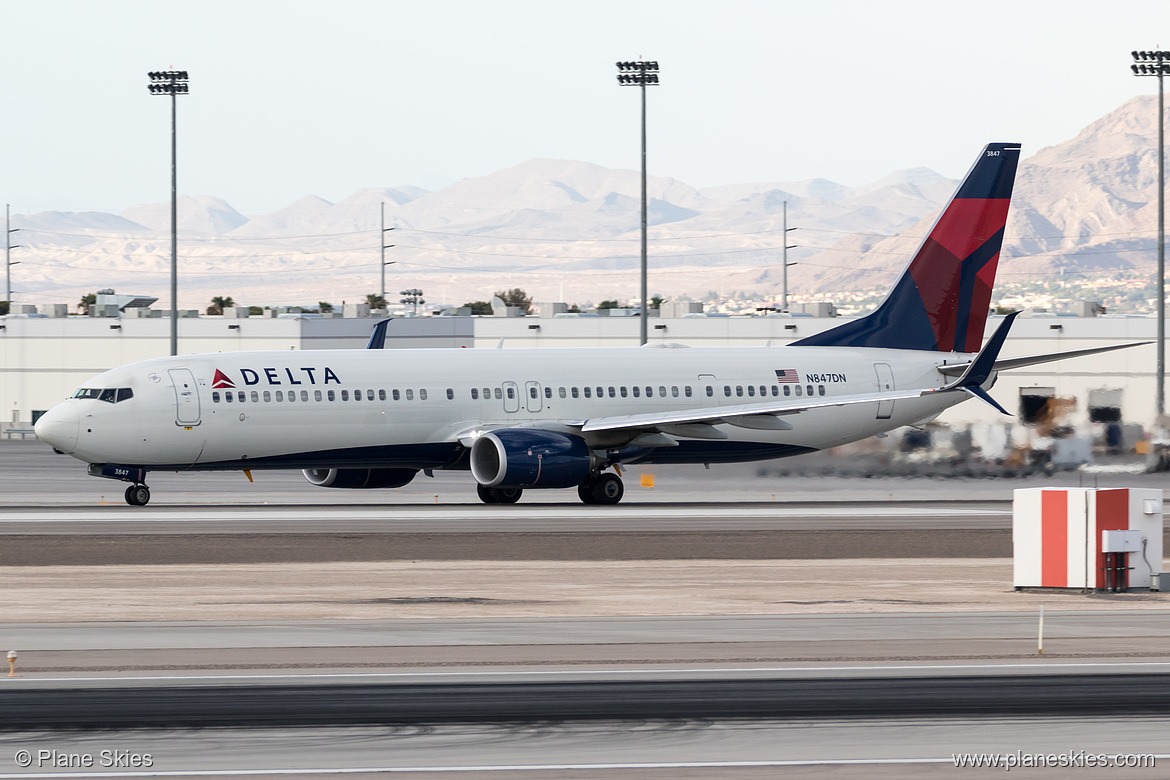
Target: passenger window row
x: 487, y: 393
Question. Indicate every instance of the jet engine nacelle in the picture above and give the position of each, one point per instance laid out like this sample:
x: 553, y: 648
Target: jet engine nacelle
x: 527, y: 458
x: 359, y: 479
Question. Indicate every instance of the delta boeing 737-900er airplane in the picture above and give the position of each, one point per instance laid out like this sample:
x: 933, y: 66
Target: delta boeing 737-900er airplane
x: 567, y: 418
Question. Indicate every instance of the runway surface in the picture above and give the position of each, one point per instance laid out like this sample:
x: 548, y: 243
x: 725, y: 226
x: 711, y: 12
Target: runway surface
x: 630, y: 750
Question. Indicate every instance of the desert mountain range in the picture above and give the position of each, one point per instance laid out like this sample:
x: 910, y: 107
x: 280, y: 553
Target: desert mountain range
x: 567, y: 230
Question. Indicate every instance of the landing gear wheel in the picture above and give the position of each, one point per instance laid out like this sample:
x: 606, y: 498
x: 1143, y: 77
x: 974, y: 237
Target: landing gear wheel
x: 138, y: 495
x: 585, y: 492
x: 507, y: 495
x: 486, y: 494
x: 607, y: 490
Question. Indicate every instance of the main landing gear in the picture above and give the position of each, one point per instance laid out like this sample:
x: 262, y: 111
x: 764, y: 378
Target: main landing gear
x: 138, y: 495
x: 603, y: 489
x: 498, y: 495
x: 600, y: 489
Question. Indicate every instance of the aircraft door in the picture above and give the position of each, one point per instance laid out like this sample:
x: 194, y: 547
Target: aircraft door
x: 532, y: 396
x: 885, y: 378
x: 186, y: 397
x: 511, y: 397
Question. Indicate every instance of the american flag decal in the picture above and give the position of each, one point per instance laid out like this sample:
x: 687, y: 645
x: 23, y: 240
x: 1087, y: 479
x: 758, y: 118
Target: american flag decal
x: 787, y: 376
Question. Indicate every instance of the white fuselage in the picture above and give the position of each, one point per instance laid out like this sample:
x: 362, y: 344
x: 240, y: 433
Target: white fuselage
x: 300, y: 409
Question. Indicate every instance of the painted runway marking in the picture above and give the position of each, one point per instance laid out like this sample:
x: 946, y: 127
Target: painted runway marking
x: 602, y: 672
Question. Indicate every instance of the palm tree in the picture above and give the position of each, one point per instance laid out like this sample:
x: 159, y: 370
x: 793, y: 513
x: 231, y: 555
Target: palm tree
x: 376, y: 301
x: 324, y: 307
x: 85, y: 302
x: 219, y: 303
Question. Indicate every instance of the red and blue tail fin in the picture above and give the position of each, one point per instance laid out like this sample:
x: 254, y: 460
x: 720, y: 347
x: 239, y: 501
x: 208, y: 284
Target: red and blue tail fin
x: 941, y: 300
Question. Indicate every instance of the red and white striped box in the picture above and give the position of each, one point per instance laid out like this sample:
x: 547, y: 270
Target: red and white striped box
x: 1056, y: 535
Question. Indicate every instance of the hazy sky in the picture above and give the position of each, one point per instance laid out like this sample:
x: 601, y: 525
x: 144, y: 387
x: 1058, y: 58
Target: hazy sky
x: 292, y: 98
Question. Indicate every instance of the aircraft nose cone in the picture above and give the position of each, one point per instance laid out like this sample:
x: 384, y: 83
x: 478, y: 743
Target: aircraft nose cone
x: 59, y: 426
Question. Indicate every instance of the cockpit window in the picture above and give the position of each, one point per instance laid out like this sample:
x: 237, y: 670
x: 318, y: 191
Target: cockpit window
x: 108, y: 394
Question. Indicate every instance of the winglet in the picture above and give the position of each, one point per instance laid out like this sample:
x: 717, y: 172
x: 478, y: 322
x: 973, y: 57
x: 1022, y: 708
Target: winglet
x: 980, y: 369
x: 378, y: 337
x: 984, y: 363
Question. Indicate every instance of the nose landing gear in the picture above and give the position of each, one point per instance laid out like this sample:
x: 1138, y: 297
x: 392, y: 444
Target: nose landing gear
x: 138, y: 495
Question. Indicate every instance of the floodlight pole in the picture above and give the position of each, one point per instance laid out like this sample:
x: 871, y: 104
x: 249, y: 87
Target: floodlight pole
x: 1157, y: 63
x: 640, y: 74
x: 173, y: 83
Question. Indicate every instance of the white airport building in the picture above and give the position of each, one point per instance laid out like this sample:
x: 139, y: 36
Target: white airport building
x: 45, y: 355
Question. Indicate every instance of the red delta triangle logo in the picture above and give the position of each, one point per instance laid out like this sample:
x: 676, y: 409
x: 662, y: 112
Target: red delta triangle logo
x: 221, y: 380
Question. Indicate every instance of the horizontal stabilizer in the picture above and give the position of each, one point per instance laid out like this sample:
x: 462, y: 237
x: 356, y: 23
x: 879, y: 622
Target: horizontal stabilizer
x: 1006, y: 364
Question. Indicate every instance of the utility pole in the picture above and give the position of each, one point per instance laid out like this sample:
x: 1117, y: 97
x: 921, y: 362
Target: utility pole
x: 641, y: 74
x: 173, y: 83
x: 8, y: 247
x: 785, y: 263
x: 385, y: 246
x: 1157, y: 63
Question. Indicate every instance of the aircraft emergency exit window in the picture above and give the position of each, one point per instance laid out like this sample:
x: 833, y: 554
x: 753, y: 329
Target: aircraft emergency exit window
x: 316, y: 395
x: 637, y: 391
x: 588, y: 392
x: 304, y: 395
x: 687, y: 391
x: 751, y: 390
x: 511, y: 392
x: 475, y: 394
x: 332, y: 396
x: 256, y: 397
x: 381, y: 394
x: 532, y: 392
x: 787, y: 390
x: 268, y: 396
x: 215, y: 398
x: 499, y: 393
x: 575, y: 391
x: 279, y: 395
x: 710, y: 390
x: 450, y: 394
x: 409, y: 395
x: 124, y: 393
x: 393, y: 394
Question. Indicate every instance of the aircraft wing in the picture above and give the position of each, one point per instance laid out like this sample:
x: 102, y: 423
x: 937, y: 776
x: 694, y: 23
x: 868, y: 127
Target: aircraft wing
x: 736, y: 414
x: 956, y: 369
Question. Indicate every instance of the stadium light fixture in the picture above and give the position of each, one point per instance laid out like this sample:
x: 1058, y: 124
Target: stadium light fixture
x: 1157, y: 63
x: 641, y: 74
x: 173, y: 83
